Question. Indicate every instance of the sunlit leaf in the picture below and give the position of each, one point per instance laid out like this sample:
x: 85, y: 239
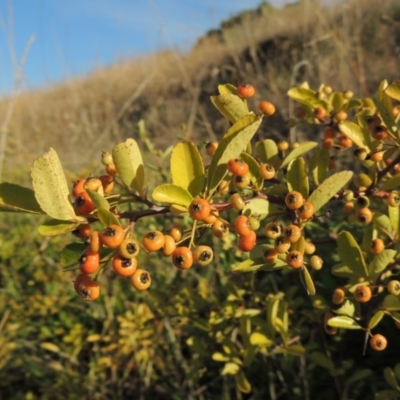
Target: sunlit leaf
x: 297, y: 178
x: 230, y: 368
x: 254, y: 170
x: 306, y: 96
x: 345, y: 322
x: 391, y: 303
x: 303, y: 148
x: 375, y: 319
x: 51, y: 188
x: 259, y: 339
x: 231, y: 146
x: 127, y: 158
x: 347, y: 308
x: 384, y: 105
x: 226, y: 88
x: 98, y: 200
x: 231, y: 106
x: 187, y: 168
x: 267, y: 150
x: 172, y: 194
x: 308, y: 281
x: 328, y: 188
x: 353, y: 132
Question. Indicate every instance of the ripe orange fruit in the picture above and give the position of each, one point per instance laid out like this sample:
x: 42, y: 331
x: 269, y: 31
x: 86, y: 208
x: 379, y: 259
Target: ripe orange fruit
x: 363, y: 293
x: 140, y: 279
x: 248, y: 242
x: 237, y: 167
x: 245, y: 91
x: 378, y: 342
x: 199, y: 209
x: 266, y: 108
x: 112, y: 236
x: 153, y: 240
x: 182, y: 257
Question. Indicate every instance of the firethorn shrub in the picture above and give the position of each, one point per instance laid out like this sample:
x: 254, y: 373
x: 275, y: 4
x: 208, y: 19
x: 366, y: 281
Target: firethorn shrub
x: 297, y: 248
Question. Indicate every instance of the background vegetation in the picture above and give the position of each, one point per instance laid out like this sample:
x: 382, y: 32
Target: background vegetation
x: 160, y: 344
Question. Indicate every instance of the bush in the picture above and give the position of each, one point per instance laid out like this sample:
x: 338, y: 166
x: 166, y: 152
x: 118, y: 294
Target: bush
x: 282, y: 278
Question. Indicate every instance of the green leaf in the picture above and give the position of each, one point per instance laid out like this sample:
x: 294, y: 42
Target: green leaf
x: 306, y: 96
x: 187, y: 168
x: 390, y: 378
x: 303, y: 148
x: 328, y: 188
x: 172, y: 194
x: 376, y: 318
x: 322, y: 360
x: 295, y: 350
x: 353, y: 132
x: 351, y: 255
x: 231, y: 106
x: 267, y: 150
x: 297, y: 177
x: 51, y: 188
x: 231, y: 146
x: 16, y: 198
x: 70, y: 254
x: 392, y: 183
x: 107, y: 218
x: 396, y: 370
x: 391, y: 303
x: 359, y: 376
x: 384, y: 105
x: 242, y: 383
x: 230, y: 368
x: 345, y: 322
x: 347, y: 308
x: 394, y: 216
x: 98, y: 200
x: 259, y: 339
x: 380, y: 262
x: 248, y: 265
x: 319, y: 165
x: 309, y: 284
x: 259, y: 207
x: 254, y: 170
x: 337, y: 100
x: 128, y: 160
x: 56, y: 227
x: 341, y: 269
x: 382, y: 223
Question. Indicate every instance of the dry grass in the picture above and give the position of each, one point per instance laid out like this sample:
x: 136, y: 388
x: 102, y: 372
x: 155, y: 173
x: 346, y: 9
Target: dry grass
x: 350, y: 46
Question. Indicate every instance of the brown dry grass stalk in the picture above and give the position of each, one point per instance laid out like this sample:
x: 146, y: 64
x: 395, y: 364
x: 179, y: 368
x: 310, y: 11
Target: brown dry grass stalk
x: 341, y: 45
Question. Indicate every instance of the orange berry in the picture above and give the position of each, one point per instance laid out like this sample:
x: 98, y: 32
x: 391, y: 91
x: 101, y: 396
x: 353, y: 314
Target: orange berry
x: 292, y: 233
x: 267, y: 171
x: 176, y: 232
x: 124, y: 266
x: 203, y: 255
x: 294, y: 200
x: 169, y: 246
x: 199, y: 209
x: 182, y: 257
x: 107, y: 182
x: 245, y: 91
x: 237, y: 167
x: 112, y: 236
x: 266, y: 108
x: 83, y: 204
x: 153, y: 240
x: 305, y: 211
x: 89, y: 289
x: 378, y: 342
x: 363, y: 293
x: 242, y: 226
x: 248, y: 242
x: 377, y: 246
x: 319, y: 113
x: 140, y: 279
x: 295, y: 259
x: 211, y: 147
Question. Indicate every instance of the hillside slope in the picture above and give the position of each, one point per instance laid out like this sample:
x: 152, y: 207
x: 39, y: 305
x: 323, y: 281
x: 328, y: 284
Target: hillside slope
x: 349, y: 46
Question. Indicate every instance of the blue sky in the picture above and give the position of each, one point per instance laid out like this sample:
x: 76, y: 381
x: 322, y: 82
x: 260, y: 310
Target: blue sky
x: 73, y: 37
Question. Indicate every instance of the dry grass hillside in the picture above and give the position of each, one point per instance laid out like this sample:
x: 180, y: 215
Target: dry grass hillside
x: 353, y: 46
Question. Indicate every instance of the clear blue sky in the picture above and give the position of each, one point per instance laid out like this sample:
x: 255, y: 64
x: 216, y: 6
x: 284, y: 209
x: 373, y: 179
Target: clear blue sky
x: 72, y: 37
